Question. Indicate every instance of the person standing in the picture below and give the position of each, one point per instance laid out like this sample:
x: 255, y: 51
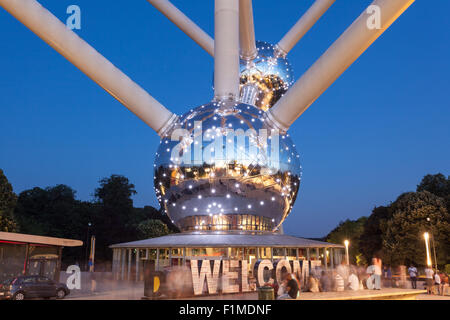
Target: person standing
x: 437, y: 281
x: 377, y: 272
x: 429, y: 279
x: 413, y: 276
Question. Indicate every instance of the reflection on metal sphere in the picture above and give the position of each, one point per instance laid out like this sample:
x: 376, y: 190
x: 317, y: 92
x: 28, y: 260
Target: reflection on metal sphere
x: 223, y: 168
x: 266, y: 78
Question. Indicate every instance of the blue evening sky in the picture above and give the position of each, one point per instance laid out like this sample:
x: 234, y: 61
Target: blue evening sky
x: 373, y: 135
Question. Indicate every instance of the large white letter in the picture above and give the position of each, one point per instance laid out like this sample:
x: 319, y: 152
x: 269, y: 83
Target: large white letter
x: 199, y: 279
x: 73, y: 21
x: 74, y: 280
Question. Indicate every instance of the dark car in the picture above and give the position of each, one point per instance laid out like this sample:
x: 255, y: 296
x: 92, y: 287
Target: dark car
x: 25, y: 287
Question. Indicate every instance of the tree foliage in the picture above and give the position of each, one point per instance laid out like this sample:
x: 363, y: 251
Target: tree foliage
x: 395, y: 232
x: 8, y: 201
x: 370, y: 242
x: 438, y: 185
x: 414, y: 213
x: 152, y: 228
x: 350, y: 230
x: 114, y: 221
x: 54, y: 212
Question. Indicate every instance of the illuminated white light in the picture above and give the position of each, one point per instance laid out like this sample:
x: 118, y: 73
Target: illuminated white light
x: 249, y: 206
x: 228, y: 196
x: 261, y: 203
x: 195, y: 209
x: 199, y: 196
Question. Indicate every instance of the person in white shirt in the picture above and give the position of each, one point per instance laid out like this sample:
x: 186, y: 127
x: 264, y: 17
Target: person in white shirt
x: 342, y: 270
x: 377, y: 272
x: 437, y: 281
x: 429, y: 278
x: 353, y: 281
x: 369, y: 282
x: 413, y: 276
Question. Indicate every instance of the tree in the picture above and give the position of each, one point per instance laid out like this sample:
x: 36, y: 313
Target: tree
x: 114, y: 221
x: 350, y: 230
x: 55, y: 212
x: 149, y: 212
x: 370, y: 240
x: 438, y: 185
x: 8, y: 201
x: 152, y: 228
x: 414, y: 213
x: 48, y: 212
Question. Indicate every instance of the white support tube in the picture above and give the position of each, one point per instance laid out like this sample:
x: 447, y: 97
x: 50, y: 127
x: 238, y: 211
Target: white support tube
x: 342, y: 53
x: 185, y: 24
x: 46, y: 26
x: 247, y: 30
x: 226, y: 50
x: 303, y: 25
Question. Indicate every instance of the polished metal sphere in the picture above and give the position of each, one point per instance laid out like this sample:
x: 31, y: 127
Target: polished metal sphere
x: 223, y: 168
x: 266, y: 78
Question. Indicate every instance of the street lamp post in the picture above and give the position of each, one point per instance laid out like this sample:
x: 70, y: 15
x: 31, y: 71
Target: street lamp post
x: 346, y: 242
x: 87, y: 246
x: 427, y: 246
x: 434, y: 246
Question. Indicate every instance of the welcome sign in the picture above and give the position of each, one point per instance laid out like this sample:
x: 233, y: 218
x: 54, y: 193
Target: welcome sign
x: 232, y: 276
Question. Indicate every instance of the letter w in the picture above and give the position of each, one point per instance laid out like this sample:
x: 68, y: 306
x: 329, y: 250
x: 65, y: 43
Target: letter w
x: 212, y: 278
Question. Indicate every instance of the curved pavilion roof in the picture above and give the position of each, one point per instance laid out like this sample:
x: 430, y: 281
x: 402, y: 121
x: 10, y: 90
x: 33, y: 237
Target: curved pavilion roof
x: 224, y: 240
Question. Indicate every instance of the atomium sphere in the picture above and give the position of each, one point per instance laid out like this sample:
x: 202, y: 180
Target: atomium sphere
x: 266, y: 78
x: 222, y: 168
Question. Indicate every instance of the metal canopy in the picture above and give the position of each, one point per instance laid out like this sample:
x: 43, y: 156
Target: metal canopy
x: 216, y: 240
x: 28, y: 238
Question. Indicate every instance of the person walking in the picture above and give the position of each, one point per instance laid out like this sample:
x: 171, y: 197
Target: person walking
x: 429, y: 279
x: 413, y: 276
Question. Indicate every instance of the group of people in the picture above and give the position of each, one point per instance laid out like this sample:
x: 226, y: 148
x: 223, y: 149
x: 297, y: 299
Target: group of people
x: 434, y: 280
x: 344, y: 277
x: 353, y: 278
